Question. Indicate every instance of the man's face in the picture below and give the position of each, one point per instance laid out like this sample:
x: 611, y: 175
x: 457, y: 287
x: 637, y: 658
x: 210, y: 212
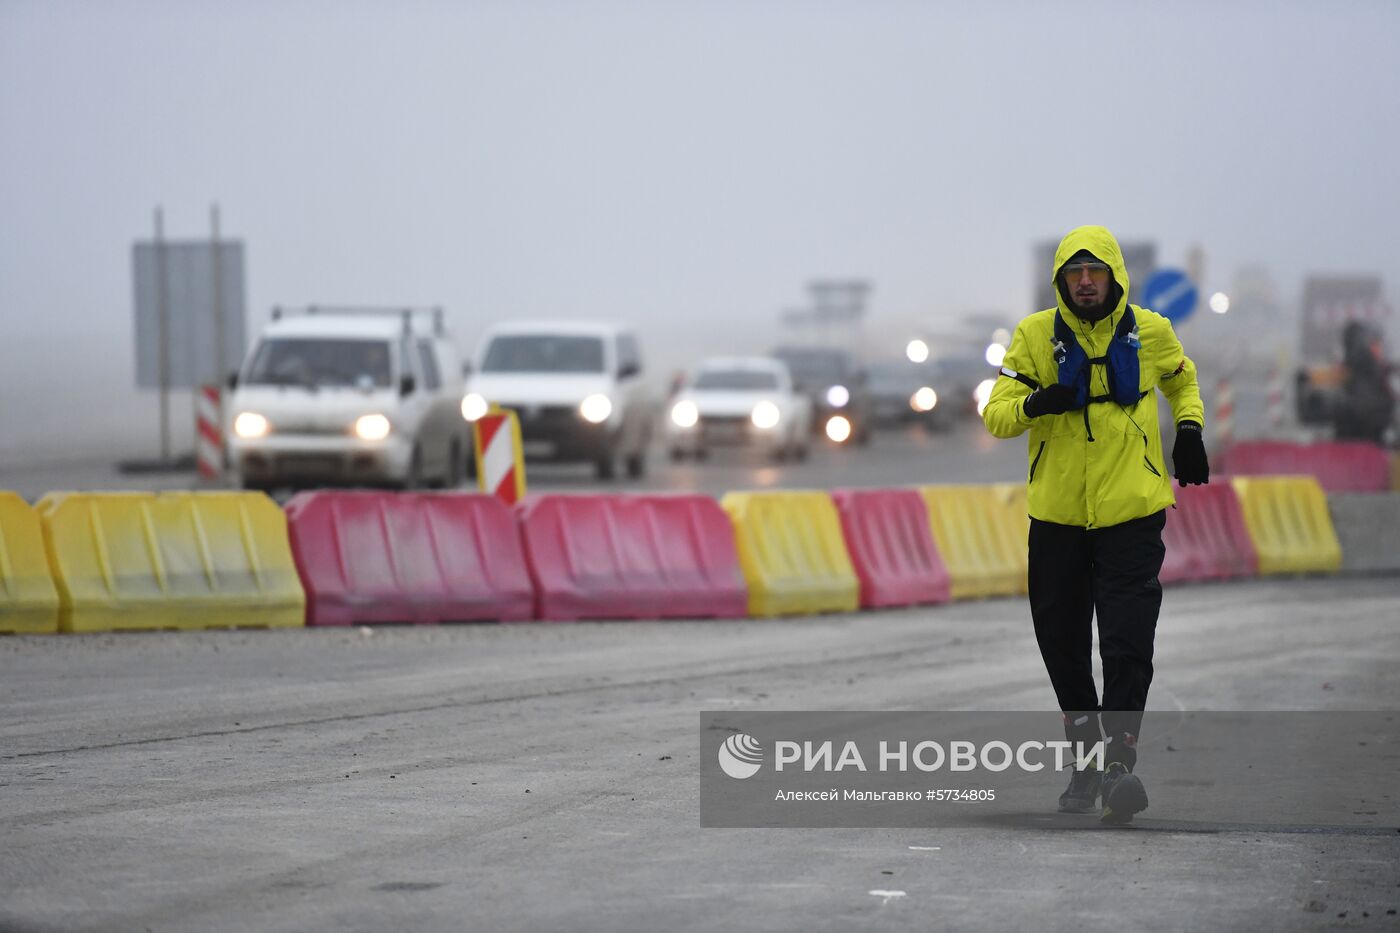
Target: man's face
x: 1087, y: 281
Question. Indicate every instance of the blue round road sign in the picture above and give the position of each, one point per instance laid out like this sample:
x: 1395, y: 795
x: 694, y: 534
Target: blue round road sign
x: 1171, y: 294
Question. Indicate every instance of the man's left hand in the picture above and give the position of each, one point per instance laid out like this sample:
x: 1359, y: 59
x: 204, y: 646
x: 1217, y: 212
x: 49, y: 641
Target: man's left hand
x: 1189, y: 456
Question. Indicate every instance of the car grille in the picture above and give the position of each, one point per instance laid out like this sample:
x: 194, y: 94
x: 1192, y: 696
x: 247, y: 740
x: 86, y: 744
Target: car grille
x: 546, y: 416
x: 718, y: 428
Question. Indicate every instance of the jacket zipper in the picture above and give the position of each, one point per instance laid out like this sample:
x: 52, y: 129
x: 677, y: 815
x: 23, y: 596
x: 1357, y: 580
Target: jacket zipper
x: 1035, y: 463
x: 1150, y: 466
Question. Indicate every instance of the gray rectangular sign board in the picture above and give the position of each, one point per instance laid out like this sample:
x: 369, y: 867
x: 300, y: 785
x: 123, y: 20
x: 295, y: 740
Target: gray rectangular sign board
x: 190, y: 281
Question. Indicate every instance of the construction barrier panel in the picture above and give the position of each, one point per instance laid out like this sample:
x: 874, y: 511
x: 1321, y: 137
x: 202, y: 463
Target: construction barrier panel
x: 28, y: 597
x: 632, y: 557
x: 1340, y: 466
x: 981, y: 532
x: 792, y: 553
x: 891, y: 547
x: 186, y: 560
x: 1206, y: 537
x: 1289, y: 524
x: 372, y: 557
x: 1368, y: 528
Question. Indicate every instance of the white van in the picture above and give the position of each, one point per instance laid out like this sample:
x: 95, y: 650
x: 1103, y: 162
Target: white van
x: 577, y: 388
x: 345, y: 396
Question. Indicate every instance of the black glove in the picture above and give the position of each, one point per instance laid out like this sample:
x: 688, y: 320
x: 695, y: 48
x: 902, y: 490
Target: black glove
x: 1054, y: 399
x: 1189, y: 456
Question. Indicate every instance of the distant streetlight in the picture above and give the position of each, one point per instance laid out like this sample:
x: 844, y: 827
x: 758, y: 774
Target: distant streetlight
x: 1220, y: 302
x: 995, y: 354
x: 1002, y: 336
x: 917, y: 351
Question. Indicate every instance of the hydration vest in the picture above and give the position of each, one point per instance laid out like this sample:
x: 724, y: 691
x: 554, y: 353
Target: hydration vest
x: 1121, y: 361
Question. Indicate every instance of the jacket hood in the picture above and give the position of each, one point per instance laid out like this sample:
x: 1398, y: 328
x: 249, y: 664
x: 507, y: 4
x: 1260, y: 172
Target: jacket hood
x: 1102, y: 244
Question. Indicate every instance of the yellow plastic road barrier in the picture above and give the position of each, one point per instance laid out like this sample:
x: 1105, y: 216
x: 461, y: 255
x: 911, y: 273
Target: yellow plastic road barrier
x: 1288, y: 522
x: 792, y: 552
x: 1012, y: 497
x: 981, y: 533
x: 28, y: 598
x: 183, y: 560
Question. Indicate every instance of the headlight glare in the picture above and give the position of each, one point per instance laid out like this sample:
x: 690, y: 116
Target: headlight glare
x: 596, y: 408
x: 838, y: 428
x: 474, y: 406
x: 837, y: 396
x: 372, y: 427
x: 684, y: 414
x: 249, y: 425
x: 766, y: 415
x: 924, y: 399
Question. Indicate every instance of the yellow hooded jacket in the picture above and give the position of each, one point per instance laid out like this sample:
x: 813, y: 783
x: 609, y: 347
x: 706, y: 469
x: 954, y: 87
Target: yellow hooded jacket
x: 1120, y: 474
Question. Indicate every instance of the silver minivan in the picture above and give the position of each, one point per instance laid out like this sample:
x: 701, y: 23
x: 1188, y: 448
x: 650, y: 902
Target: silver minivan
x: 349, y: 397
x: 577, y: 388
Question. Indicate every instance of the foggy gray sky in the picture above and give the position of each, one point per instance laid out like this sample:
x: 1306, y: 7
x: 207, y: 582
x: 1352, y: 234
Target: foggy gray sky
x: 684, y: 166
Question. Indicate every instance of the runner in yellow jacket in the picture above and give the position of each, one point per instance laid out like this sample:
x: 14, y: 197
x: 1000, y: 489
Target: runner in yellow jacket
x: 1082, y: 379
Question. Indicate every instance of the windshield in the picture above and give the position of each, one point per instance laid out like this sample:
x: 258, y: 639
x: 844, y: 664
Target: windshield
x: 316, y: 361
x: 544, y: 353
x: 736, y: 379
x: 814, y: 367
x: 897, y: 380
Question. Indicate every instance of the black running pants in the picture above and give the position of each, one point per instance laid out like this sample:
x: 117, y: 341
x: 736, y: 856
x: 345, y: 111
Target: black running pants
x: 1076, y: 573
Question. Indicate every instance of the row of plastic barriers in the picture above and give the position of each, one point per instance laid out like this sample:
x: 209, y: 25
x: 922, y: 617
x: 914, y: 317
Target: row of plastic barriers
x: 1338, y: 466
x: 84, y: 562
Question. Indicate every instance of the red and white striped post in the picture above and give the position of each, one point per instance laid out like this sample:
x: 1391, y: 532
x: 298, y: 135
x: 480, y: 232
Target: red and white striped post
x: 1273, y: 412
x: 500, y: 459
x: 208, y: 432
x: 1224, y: 413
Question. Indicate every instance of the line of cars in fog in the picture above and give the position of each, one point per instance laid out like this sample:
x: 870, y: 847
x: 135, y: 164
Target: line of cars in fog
x: 343, y: 396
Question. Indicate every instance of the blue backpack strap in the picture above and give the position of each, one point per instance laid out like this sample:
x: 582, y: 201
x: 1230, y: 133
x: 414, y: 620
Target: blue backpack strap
x: 1122, y: 361
x: 1073, y: 362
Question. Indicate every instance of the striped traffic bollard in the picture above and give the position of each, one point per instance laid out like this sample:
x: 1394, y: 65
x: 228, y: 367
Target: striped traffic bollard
x: 500, y: 462
x: 1224, y: 412
x: 208, y: 432
x: 1274, y: 410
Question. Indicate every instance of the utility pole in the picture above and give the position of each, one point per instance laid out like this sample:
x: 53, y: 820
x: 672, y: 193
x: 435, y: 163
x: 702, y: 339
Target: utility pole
x: 163, y: 328
x: 218, y: 304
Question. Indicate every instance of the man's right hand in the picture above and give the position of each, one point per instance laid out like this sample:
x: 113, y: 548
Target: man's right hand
x: 1054, y: 399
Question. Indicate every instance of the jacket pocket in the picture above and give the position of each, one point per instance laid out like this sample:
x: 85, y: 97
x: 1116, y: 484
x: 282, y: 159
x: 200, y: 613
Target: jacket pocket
x: 1148, y: 463
x: 1035, y: 463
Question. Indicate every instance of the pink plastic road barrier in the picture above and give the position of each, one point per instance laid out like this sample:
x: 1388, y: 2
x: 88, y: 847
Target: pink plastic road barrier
x: 891, y: 546
x: 632, y: 557
x: 1340, y: 466
x: 1206, y: 537
x: 369, y: 557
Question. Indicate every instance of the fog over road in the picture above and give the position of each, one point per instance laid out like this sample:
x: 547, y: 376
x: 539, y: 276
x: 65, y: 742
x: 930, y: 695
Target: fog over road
x: 896, y: 457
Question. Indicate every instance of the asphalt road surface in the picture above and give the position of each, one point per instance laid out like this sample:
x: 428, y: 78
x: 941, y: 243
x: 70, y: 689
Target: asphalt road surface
x: 544, y: 777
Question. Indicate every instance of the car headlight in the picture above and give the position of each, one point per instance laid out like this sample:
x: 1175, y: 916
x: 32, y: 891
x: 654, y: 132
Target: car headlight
x: 924, y: 399
x: 249, y: 425
x: 371, y: 427
x: 474, y: 406
x: 838, y: 428
x: 766, y: 415
x: 684, y: 414
x: 983, y: 394
x: 596, y: 408
x: 837, y: 396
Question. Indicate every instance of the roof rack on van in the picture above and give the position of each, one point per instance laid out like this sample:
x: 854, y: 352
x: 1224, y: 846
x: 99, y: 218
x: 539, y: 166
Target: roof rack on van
x: 368, y: 311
